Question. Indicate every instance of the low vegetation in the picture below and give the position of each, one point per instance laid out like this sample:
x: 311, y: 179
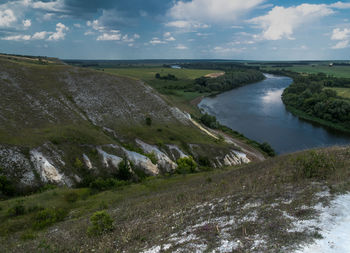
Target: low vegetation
x: 158, y: 210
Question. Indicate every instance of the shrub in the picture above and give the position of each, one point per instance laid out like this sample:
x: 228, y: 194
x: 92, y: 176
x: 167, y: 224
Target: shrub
x: 18, y: 209
x: 124, y: 170
x: 209, y: 121
x: 71, y: 197
x: 6, y: 186
x: 101, y: 222
x: 148, y: 121
x: 152, y: 157
x: 47, y: 217
x: 186, y: 165
x: 267, y: 149
x: 101, y: 184
x: 78, y: 163
x: 314, y: 164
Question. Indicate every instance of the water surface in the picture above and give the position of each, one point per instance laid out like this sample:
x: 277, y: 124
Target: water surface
x: 257, y: 111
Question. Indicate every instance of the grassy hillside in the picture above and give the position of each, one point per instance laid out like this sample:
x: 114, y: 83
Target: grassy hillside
x: 256, y: 207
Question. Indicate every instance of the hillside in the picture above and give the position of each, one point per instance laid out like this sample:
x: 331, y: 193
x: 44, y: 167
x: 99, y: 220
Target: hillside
x: 288, y: 203
x: 67, y: 125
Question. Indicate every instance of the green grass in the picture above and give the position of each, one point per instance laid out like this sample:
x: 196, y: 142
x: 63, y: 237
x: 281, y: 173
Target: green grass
x: 336, y: 71
x: 147, y: 213
x: 342, y: 92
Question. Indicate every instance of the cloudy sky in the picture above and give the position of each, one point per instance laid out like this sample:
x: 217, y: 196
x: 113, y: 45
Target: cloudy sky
x: 188, y: 29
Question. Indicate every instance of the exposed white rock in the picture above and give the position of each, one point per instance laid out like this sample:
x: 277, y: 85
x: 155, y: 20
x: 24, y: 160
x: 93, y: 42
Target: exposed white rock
x: 108, y: 159
x: 87, y: 161
x: 176, y: 151
x: 47, y: 172
x: 142, y: 162
x: 163, y: 160
x: 235, y: 158
x: 242, y: 156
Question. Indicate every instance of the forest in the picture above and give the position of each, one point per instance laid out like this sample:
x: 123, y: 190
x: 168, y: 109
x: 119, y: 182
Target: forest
x: 311, y: 95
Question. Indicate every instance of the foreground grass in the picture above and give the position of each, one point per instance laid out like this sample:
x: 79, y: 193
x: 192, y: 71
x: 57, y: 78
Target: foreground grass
x: 160, y: 211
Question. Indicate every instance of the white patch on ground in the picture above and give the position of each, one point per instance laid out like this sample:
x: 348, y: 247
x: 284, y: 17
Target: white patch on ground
x: 163, y: 160
x: 227, y: 246
x: 242, y: 156
x: 46, y: 170
x: 108, y: 159
x: 334, y: 222
x: 204, y: 130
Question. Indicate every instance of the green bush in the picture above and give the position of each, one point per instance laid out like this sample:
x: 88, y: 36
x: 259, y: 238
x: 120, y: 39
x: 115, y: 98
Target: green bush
x: 314, y: 164
x: 186, y: 165
x: 101, y: 222
x: 152, y: 157
x: 148, y: 121
x: 124, y: 170
x: 71, y: 197
x: 267, y: 149
x: 18, y: 209
x: 78, y: 163
x: 47, y: 217
x: 6, y: 186
x: 101, y: 184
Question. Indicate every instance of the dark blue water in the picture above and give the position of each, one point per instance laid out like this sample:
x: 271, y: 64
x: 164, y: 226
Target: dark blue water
x: 257, y: 111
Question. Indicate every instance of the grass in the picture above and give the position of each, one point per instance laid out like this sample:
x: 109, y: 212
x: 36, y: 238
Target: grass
x: 336, y: 71
x: 149, y: 213
x: 342, y: 92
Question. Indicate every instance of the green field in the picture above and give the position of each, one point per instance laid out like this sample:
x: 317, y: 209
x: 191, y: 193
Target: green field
x: 342, y: 92
x: 336, y: 71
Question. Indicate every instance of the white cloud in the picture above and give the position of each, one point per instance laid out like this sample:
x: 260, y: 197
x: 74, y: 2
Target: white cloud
x: 77, y: 25
x: 18, y: 37
x: 184, y: 24
x: 181, y: 47
x: 340, y: 5
x: 60, y: 32
x: 227, y: 50
x: 343, y: 36
x: 212, y: 10
x: 48, y: 16
x: 339, y: 34
x: 7, y: 18
x: 95, y: 24
x: 281, y: 22
x: 156, y: 41
x: 112, y: 35
x: 55, y: 6
x: 136, y: 36
x: 40, y: 35
x: 341, y: 44
x: 168, y: 37
x: 27, y: 23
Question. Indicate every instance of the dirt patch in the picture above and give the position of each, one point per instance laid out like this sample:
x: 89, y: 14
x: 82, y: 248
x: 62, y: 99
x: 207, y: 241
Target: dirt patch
x: 215, y: 75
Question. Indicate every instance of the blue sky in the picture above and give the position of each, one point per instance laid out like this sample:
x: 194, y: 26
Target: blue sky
x: 171, y: 29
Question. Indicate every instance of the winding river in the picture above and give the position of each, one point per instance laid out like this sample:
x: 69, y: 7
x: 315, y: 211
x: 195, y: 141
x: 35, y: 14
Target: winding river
x: 257, y: 111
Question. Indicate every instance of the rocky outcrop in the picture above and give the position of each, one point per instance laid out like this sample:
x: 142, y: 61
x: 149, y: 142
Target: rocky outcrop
x: 163, y: 161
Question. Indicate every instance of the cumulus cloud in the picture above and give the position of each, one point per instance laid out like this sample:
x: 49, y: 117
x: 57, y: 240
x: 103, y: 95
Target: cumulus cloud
x: 281, y: 22
x: 212, y: 10
x: 343, y: 36
x: 7, y: 18
x: 40, y: 35
x: 181, y: 47
x: 60, y: 33
x: 112, y: 35
x: 168, y: 37
x: 27, y: 23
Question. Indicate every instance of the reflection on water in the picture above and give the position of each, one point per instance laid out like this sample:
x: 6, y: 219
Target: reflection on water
x: 258, y: 112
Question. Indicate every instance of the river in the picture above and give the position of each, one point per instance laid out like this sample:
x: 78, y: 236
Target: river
x: 257, y: 111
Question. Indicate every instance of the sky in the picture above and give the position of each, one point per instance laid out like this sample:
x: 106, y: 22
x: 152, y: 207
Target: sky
x: 177, y: 29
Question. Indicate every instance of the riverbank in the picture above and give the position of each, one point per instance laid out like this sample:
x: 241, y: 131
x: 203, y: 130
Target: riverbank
x: 327, y: 124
